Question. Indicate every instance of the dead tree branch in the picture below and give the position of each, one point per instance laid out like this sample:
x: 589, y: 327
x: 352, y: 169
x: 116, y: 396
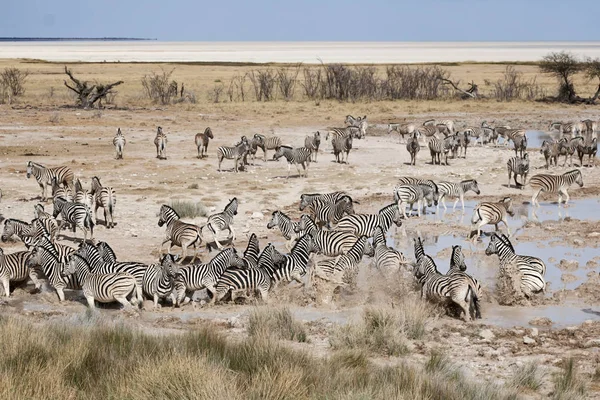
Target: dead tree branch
x: 472, y: 91
x: 89, y: 94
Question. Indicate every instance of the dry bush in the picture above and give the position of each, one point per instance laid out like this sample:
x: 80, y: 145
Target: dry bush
x: 237, y: 88
x: 276, y: 323
x: 416, y: 83
x: 263, y: 82
x: 512, y: 86
x: 312, y: 83
x: 159, y: 88
x: 189, y: 209
x: 217, y: 91
x: 286, y: 81
x: 13, y: 79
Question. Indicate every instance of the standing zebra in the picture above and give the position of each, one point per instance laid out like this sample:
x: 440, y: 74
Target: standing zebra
x: 515, y: 135
x: 410, y: 180
x: 46, y: 256
x: 350, y: 131
x: 327, y: 213
x: 331, y: 243
x: 268, y: 143
x: 365, y: 224
x: 462, y: 141
x: 570, y: 128
x: 360, y: 123
x: 223, y: 220
x: 106, y: 198
x: 532, y: 269
x: 413, y: 147
x: 402, y: 129
x: 492, y: 213
x: 518, y: 166
x: 520, y: 143
x: 550, y: 151
x: 201, y: 140
x: 252, y: 252
x: 74, y: 214
x: 312, y: 143
x: 119, y: 142
x: 199, y: 276
x: 158, y: 282
x: 44, y: 176
x: 300, y: 155
x: 386, y: 258
x: 590, y: 148
x: 104, y: 288
x: 236, y: 153
x: 340, y: 146
x: 47, y: 220
x: 427, y: 132
x: 449, y: 124
x: 84, y: 196
x: 408, y: 195
x: 160, y: 141
x: 58, y: 191
x: 568, y: 147
x: 178, y: 233
x: 457, y: 191
x: 438, y: 146
x: 554, y: 184
x: 287, y: 227
x: 333, y: 197
x: 344, y: 269
x: 13, y: 268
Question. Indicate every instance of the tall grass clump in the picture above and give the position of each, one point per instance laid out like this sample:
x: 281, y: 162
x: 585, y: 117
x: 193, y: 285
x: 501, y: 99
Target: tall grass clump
x: 277, y: 323
x: 568, y: 384
x: 528, y: 376
x: 189, y: 209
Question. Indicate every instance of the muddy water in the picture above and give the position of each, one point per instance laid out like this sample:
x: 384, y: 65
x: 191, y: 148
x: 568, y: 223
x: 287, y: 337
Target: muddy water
x: 561, y: 315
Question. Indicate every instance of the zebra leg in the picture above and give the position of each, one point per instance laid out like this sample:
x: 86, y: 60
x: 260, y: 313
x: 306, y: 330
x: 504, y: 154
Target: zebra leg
x: 419, y: 206
x: 183, y: 253
x: 90, y: 301
x: 566, y: 194
x: 6, y: 285
x: 61, y: 294
x: 534, y: 201
x: 232, y: 232
x: 505, y: 224
x: 162, y: 244
x: 456, y: 202
x: 289, y: 168
x: 124, y: 302
x: 156, y: 307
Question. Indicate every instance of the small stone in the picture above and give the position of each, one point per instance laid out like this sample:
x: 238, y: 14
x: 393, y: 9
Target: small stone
x: 593, y: 234
x: 568, y: 278
x: 528, y: 340
x: 568, y: 265
x: 592, y: 343
x: 487, y: 334
x: 257, y: 215
x: 578, y: 242
x: 518, y: 332
x: 235, y: 322
x: 534, y: 332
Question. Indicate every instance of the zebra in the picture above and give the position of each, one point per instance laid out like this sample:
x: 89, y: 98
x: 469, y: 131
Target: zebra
x: 50, y: 258
x: 268, y: 143
x: 64, y: 192
x: 457, y: 191
x: 299, y: 155
x: 119, y: 142
x: 590, y: 126
x: 312, y: 143
x: 480, y: 133
x: 518, y: 166
x: 83, y: 196
x: 327, y: 213
x: 462, y: 141
x: 568, y: 147
x: 554, y: 184
x: 17, y: 228
x: 13, y: 268
x: 331, y: 243
x: 106, y: 252
x: 457, y: 260
x: 413, y: 147
x: 344, y: 269
x: 295, y: 265
x: 252, y: 252
x: 47, y: 220
x: 333, y: 197
x: 449, y: 124
x: 178, y: 233
x: 223, y: 220
x: 532, y: 269
x: 201, y: 140
x: 340, y: 146
x: 590, y: 148
x: 386, y: 258
x: 365, y: 224
x: 409, y: 180
x: 572, y: 128
x: 160, y: 141
x: 360, y: 123
x: 287, y: 227
x: 492, y: 213
x: 158, y: 281
x: 456, y: 287
x: 520, y: 144
x: 105, y: 197
x: 78, y: 215
x: 104, y: 288
x: 427, y: 132
x: 350, y: 131
x: 199, y: 276
x: 438, y: 146
x: 514, y: 135
x: 44, y: 176
x: 402, y: 129
x: 235, y: 153
x: 550, y: 151
x: 408, y: 195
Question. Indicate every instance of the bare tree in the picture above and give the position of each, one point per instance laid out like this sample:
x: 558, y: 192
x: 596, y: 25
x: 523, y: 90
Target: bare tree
x: 286, y: 80
x: 263, y: 82
x: 88, y: 94
x: 592, y: 71
x: 312, y: 82
x: 215, y: 95
x: 471, y: 92
x: 14, y: 80
x: 159, y: 88
x: 563, y: 66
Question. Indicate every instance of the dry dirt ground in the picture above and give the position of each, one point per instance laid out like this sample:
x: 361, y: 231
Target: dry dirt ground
x: 83, y: 141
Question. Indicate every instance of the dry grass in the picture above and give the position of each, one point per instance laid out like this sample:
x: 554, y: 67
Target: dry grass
x: 568, y: 383
x: 278, y: 323
x: 528, y: 376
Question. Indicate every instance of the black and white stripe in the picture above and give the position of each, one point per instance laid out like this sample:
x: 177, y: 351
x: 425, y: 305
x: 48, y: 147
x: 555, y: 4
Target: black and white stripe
x: 438, y: 146
x: 178, y: 233
x: 287, y: 227
x: 296, y: 156
x: 456, y: 191
x: 343, y: 270
x: 365, y: 224
x: 252, y: 252
x: 413, y: 147
x: 350, y: 131
x: 296, y: 263
x: 447, y: 123
x: 550, y: 151
x: 159, y: 280
x: 331, y: 243
x: 568, y: 147
x: 47, y: 220
x: 13, y: 268
x: 589, y: 148
x: 386, y: 258
x: 307, y: 199
x: 106, y: 252
x: 312, y: 143
x: 78, y: 215
x: 223, y: 220
x: 462, y: 142
x: 518, y: 166
x: 360, y: 123
x: 532, y: 269
x: 554, y: 184
x: 119, y: 142
x: 201, y: 139
x: 268, y: 143
x: 571, y: 128
x: 492, y: 213
x: 408, y: 195
x: 402, y: 129
x: 324, y: 212
x: 105, y: 197
x: 520, y: 143
x: 50, y: 258
x: 340, y: 146
x: 44, y: 176
x: 160, y: 141
x: 58, y: 191
x: 235, y: 153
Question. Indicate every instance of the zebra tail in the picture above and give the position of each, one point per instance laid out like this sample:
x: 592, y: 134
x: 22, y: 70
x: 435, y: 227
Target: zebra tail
x: 138, y: 293
x: 474, y: 304
x: 476, y: 217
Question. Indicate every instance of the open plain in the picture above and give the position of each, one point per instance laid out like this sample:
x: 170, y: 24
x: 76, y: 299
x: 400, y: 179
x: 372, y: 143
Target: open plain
x: 562, y: 324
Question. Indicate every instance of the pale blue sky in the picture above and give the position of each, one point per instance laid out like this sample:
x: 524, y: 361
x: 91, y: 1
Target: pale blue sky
x: 305, y: 20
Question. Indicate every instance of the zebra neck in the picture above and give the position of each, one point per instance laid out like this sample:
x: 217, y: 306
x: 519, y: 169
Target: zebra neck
x: 356, y: 252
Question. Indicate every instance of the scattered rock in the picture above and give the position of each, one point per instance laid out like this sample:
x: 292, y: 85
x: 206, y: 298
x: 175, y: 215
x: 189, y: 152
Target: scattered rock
x: 528, y: 340
x: 568, y: 265
x: 592, y: 343
x: 534, y: 332
x: 593, y: 234
x: 257, y: 215
x: 487, y: 334
x: 568, y: 278
x: 235, y: 322
x: 578, y: 242
x: 541, y: 321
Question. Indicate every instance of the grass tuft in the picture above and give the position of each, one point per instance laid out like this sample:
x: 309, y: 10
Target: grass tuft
x: 275, y: 322
x: 528, y: 376
x: 568, y: 383
x: 188, y: 209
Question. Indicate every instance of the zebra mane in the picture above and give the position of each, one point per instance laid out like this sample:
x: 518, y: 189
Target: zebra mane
x: 388, y: 207
x: 222, y: 254
x: 171, y: 209
x: 469, y: 181
x: 233, y: 203
x: 34, y: 164
x: 281, y: 213
x: 208, y: 130
x: 302, y: 239
x: 18, y: 221
x: 507, y: 242
x: 572, y: 172
x: 287, y: 147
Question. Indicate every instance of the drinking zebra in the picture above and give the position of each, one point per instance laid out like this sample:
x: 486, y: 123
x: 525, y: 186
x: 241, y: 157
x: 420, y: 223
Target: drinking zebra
x: 332, y: 198
x: 492, y: 213
x: 44, y: 176
x: 287, y: 227
x: 295, y: 156
x: 13, y: 268
x: 312, y: 143
x: 386, y: 258
x: 456, y: 191
x: 78, y: 215
x: 402, y: 129
x: 223, y: 220
x: 518, y: 166
x: 360, y: 123
x: 590, y: 148
x: 160, y: 141
x: 408, y: 195
x: 365, y: 224
x: 119, y: 142
x: 205, y: 276
x: 106, y: 198
x: 532, y: 269
x: 413, y: 147
x: 201, y: 139
x: 344, y: 269
x: 410, y: 180
x: 159, y: 280
x: 235, y: 153
x: 554, y: 184
x: 324, y: 212
x: 331, y: 243
x: 550, y: 151
x: 340, y: 146
x: 178, y: 233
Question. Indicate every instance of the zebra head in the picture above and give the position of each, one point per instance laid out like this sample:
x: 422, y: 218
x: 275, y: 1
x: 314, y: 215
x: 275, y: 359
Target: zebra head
x: 578, y: 177
x: 34, y: 259
x: 75, y: 260
x: 208, y: 133
x: 9, y: 229
x: 457, y: 259
x: 397, y: 217
x: 280, y: 152
x: 274, y: 220
x: 159, y: 131
x: 312, y: 246
x: 166, y: 215
x: 346, y: 203
x: 119, y: 132
x: 493, y: 245
x: 106, y: 252
x: 96, y: 185
x: 232, y: 206
x: 350, y: 120
x: 169, y: 265
x: 368, y: 249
